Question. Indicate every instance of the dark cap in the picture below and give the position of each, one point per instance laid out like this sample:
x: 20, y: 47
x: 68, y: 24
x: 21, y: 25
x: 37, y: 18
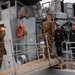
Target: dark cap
x: 49, y: 14
x: 2, y: 25
x: 57, y: 25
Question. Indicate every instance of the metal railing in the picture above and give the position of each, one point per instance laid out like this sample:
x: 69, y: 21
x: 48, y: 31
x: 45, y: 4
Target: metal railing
x: 69, y: 59
x: 21, y: 51
x: 24, y: 50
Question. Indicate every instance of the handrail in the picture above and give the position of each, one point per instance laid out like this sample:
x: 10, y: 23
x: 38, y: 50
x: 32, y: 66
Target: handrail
x: 31, y: 47
x: 69, y: 51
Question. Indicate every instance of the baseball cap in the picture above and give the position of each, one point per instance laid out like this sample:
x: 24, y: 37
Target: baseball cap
x: 2, y: 25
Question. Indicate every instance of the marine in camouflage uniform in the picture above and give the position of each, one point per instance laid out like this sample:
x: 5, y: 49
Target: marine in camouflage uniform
x: 2, y: 49
x: 48, y: 29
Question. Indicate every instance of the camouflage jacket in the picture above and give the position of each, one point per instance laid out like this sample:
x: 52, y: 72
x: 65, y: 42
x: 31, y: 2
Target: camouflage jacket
x: 48, y: 28
x: 2, y: 48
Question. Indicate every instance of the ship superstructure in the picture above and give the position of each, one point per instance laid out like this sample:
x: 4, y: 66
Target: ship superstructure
x: 25, y: 54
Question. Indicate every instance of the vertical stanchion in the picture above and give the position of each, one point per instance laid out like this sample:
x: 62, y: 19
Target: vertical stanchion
x: 37, y: 49
x: 16, y: 54
x: 26, y: 46
x: 13, y: 57
x: 4, y: 63
x: 48, y: 48
x: 43, y: 53
x: 67, y: 55
x: 38, y: 53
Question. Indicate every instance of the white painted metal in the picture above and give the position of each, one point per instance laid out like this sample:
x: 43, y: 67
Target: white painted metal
x: 56, y: 5
x: 60, y: 15
x: 68, y: 9
x: 8, y: 59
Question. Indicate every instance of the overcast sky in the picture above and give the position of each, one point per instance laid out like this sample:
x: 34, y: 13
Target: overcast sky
x: 71, y: 1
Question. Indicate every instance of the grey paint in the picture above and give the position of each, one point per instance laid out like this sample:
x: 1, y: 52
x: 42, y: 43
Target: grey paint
x: 68, y: 9
x: 56, y: 7
x: 30, y: 28
x: 9, y: 13
x: 13, y: 24
x: 8, y: 46
x: 61, y: 22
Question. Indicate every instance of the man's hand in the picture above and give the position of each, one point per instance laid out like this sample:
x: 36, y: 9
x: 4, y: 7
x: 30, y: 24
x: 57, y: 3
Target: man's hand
x: 52, y: 38
x: 62, y: 42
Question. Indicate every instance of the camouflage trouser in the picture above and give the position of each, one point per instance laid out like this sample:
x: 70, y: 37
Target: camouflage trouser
x: 50, y: 43
x: 1, y: 56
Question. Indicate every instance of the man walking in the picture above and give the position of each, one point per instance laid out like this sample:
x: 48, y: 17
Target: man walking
x: 59, y: 39
x: 48, y: 30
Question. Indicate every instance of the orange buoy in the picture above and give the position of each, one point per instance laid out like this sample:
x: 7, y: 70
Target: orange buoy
x: 20, y: 30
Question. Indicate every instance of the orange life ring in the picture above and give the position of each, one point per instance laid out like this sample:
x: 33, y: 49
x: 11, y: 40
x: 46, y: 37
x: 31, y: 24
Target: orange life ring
x: 20, y: 30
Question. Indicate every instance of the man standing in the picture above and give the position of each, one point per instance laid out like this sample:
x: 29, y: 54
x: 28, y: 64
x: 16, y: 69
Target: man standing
x: 48, y: 30
x: 72, y: 38
x: 59, y: 39
x: 2, y: 49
